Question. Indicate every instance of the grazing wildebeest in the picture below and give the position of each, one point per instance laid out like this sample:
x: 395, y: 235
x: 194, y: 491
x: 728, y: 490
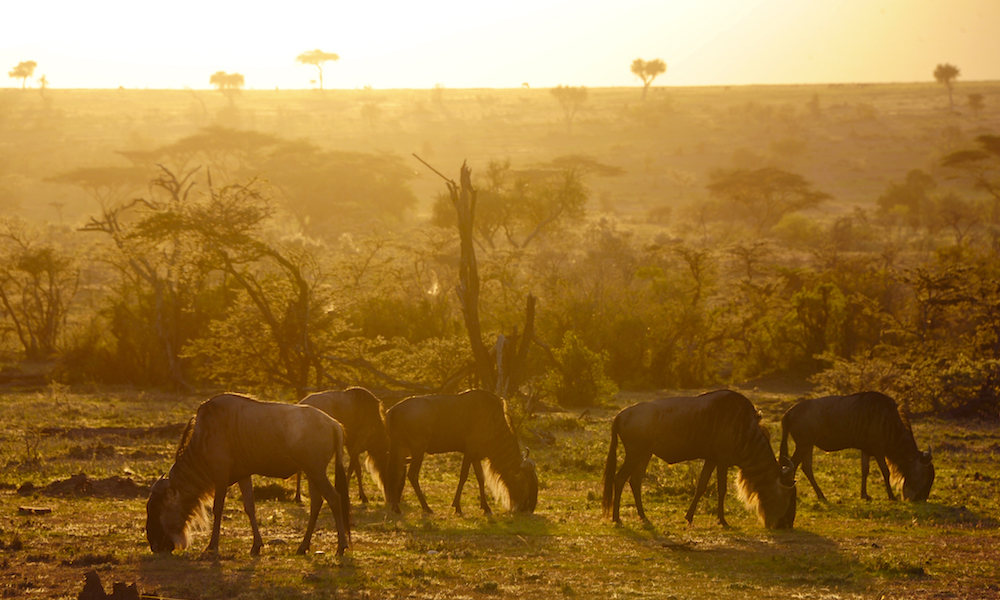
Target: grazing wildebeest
x: 473, y: 423
x: 231, y: 438
x: 869, y: 421
x: 361, y: 415
x: 721, y: 427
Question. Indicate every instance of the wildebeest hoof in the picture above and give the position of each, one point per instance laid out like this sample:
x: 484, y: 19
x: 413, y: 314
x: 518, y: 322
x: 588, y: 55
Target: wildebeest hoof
x: 866, y: 497
x: 618, y: 523
x: 302, y: 549
x: 364, y: 499
x: 458, y: 510
x: 724, y: 524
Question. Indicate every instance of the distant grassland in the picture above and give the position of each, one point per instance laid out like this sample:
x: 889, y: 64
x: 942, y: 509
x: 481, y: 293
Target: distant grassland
x: 851, y: 141
x: 947, y: 547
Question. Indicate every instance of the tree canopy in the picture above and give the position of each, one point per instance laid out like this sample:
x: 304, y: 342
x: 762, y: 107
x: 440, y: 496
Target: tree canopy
x: 571, y: 99
x: 647, y: 72
x: 317, y: 58
x: 227, y: 83
x: 763, y: 196
x: 23, y: 71
x: 946, y: 73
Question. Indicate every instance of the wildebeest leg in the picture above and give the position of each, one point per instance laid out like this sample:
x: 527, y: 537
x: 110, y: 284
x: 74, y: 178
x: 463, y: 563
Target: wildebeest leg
x: 865, y: 466
x: 457, y: 502
x: 217, y: 505
x: 477, y: 466
x: 805, y: 458
x: 320, y: 488
x: 635, y: 482
x: 356, y: 468
x: 624, y: 474
x: 413, y: 474
x: 885, y: 476
x: 722, y: 471
x: 246, y: 489
x: 706, y: 473
x: 298, y: 487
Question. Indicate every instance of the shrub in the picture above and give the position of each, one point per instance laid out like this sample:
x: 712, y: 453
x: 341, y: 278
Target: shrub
x: 579, y: 379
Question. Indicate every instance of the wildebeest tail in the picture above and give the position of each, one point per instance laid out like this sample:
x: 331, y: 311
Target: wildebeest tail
x: 610, y: 465
x: 377, y: 462
x: 783, y: 450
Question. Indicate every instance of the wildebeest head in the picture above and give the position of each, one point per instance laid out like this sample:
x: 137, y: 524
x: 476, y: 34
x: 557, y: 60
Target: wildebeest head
x: 786, y: 482
x: 529, y: 476
x: 919, y: 478
x: 163, y: 528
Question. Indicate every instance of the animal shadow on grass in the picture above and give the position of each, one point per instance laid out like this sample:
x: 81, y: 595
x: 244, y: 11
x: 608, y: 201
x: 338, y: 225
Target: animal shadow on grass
x: 196, y: 575
x: 761, y: 561
x: 901, y: 513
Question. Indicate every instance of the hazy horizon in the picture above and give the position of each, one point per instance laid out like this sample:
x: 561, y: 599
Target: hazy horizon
x: 111, y: 44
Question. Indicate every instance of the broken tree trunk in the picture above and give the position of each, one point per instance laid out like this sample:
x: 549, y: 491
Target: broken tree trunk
x: 501, y: 371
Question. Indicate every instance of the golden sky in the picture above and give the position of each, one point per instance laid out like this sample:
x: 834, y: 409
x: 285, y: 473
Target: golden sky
x: 177, y: 44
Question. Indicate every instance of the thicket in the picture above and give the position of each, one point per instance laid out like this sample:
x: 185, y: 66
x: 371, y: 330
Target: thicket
x: 216, y: 278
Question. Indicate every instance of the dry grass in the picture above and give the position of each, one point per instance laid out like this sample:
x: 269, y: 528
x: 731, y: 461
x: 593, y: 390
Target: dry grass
x: 948, y: 547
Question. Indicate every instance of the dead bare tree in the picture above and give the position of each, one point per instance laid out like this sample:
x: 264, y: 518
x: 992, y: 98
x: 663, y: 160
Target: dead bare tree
x: 501, y: 370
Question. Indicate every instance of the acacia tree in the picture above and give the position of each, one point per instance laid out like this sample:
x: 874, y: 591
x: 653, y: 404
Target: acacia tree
x: 108, y: 186
x: 23, y: 71
x: 269, y: 337
x: 976, y: 103
x: 764, y: 196
x: 571, y: 99
x: 647, y: 72
x: 317, y: 58
x: 228, y: 84
x: 37, y: 284
x: 159, y: 306
x: 981, y: 166
x: 946, y: 73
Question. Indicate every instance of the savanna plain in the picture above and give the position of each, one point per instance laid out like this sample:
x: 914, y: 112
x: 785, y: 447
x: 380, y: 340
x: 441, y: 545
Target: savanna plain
x: 81, y: 442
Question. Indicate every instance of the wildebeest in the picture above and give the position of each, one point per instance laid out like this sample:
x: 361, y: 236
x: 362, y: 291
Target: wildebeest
x: 361, y: 415
x: 229, y: 439
x: 722, y: 427
x: 869, y: 421
x: 473, y: 423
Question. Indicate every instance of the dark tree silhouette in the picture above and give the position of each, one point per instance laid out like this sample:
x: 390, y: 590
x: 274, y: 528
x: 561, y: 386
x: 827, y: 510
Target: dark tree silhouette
x: 976, y: 103
x: 227, y: 83
x: 981, y: 166
x: 571, y: 99
x: 764, y: 196
x: 317, y: 58
x: 23, y: 71
x: 947, y: 73
x: 647, y: 72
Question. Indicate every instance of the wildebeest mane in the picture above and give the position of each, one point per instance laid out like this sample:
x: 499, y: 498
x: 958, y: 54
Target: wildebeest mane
x: 755, y: 480
x: 899, y: 441
x: 189, y: 477
x: 502, y: 467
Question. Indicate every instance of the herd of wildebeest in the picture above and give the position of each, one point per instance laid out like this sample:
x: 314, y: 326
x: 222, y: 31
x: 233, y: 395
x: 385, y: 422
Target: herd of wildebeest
x: 232, y: 437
